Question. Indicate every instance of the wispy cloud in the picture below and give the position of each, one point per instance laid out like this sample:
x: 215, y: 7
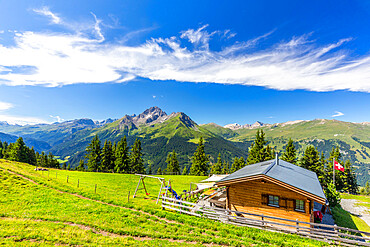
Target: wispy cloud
x: 57, y: 118
x: 337, y: 114
x: 21, y: 120
x: 46, y: 12
x: 57, y: 59
x: 5, y: 106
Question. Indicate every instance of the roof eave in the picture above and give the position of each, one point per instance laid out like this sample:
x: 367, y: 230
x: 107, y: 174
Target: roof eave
x: 316, y: 198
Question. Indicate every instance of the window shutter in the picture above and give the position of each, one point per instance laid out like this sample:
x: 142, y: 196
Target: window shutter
x: 264, y: 199
x: 290, y: 204
x: 283, y: 203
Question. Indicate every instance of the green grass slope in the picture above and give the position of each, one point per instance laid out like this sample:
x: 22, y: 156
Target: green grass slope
x: 353, y: 139
x: 54, y: 212
x: 178, y: 133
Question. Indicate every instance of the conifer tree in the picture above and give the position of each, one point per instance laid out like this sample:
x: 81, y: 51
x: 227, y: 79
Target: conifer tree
x: 367, y: 188
x: 52, y: 162
x: 107, y: 158
x: 136, y: 160
x: 64, y: 166
x: 93, y: 154
x: 122, y: 160
x: 225, y: 168
x: 159, y: 171
x: 1, y: 150
x: 258, y: 152
x: 5, y: 147
x: 81, y: 166
x: 217, y: 167
x: 172, y: 164
x: 32, y: 156
x: 184, y: 171
x: 270, y: 153
x: 241, y: 163
x: 322, y: 175
x: 311, y: 161
x: 200, y: 161
x: 350, y: 180
x: 234, y: 165
x: 20, y: 150
x: 149, y: 169
x: 290, y: 154
x: 69, y: 167
x: 43, y: 159
x: 339, y: 176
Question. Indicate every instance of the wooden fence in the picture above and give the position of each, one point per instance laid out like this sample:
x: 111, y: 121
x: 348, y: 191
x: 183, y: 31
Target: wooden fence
x: 328, y: 233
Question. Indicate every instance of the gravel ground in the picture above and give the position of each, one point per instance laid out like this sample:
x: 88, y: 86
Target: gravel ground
x: 360, y: 211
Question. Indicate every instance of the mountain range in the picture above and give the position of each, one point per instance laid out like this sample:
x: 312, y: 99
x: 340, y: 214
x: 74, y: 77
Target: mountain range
x: 161, y: 133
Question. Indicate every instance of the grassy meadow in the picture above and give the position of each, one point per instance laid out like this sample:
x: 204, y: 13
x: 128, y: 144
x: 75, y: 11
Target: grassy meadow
x: 345, y: 219
x: 54, y: 212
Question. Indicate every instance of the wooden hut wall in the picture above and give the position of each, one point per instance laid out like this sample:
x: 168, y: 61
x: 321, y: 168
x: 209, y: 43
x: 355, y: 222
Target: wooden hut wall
x: 249, y: 197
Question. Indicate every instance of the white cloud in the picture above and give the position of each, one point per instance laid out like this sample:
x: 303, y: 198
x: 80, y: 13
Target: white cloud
x: 57, y: 59
x: 337, y: 114
x: 98, y: 29
x: 46, y: 12
x: 21, y: 120
x: 59, y: 119
x: 154, y: 96
x: 5, y: 106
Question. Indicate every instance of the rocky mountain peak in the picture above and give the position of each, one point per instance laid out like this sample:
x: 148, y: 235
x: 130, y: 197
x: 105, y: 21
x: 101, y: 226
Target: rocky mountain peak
x: 233, y: 126
x: 150, y: 115
x: 236, y: 126
x: 186, y: 120
x: 257, y: 124
x: 84, y: 121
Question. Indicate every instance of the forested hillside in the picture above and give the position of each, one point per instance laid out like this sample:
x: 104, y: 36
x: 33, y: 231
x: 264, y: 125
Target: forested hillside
x: 161, y: 133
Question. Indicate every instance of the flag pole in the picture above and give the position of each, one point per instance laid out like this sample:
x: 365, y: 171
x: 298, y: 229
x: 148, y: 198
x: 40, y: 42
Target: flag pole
x: 334, y: 173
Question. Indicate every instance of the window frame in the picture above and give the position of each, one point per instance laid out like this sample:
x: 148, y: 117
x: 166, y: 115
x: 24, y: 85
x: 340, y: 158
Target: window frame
x: 273, y: 199
x: 299, y: 209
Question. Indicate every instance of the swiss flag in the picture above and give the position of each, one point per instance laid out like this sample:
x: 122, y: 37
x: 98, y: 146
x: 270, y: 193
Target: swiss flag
x: 338, y: 166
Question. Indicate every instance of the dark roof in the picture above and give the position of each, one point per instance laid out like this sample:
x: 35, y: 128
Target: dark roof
x: 283, y: 171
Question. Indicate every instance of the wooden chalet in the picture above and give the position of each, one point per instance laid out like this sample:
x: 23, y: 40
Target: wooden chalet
x: 274, y: 188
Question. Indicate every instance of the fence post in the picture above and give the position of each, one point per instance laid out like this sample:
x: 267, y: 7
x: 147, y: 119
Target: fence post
x: 95, y: 188
x: 263, y: 220
x: 128, y: 197
x: 78, y: 183
x: 67, y: 179
x: 297, y: 225
x: 336, y: 231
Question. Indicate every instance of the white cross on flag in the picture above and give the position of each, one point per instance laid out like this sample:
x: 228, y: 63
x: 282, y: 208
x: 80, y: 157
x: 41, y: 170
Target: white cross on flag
x: 338, y: 166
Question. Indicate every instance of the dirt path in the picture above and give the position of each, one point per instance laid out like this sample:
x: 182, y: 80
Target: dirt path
x: 360, y: 211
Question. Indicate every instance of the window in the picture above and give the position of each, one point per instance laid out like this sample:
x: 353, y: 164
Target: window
x: 299, y: 205
x: 273, y: 201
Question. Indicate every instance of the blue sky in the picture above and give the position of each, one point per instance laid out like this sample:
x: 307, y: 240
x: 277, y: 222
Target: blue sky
x: 217, y: 61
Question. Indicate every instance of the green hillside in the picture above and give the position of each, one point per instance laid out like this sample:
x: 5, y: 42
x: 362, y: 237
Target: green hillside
x: 178, y: 133
x: 45, y: 210
x: 353, y: 139
x: 161, y: 133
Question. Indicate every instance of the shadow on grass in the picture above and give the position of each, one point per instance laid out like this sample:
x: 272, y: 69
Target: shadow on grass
x: 343, y: 218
